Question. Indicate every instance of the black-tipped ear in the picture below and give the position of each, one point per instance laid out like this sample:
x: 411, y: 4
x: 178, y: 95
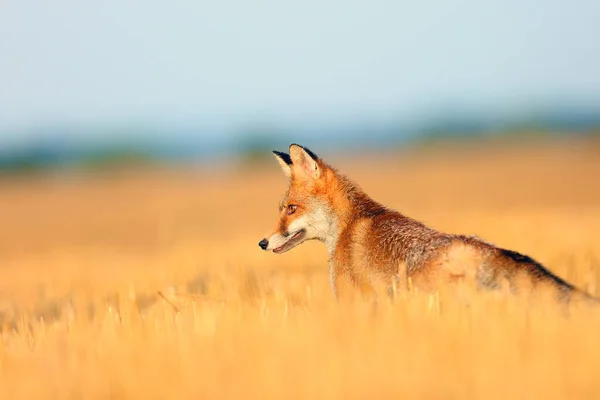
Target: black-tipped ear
x: 305, y: 162
x: 307, y: 150
x: 283, y: 156
x: 285, y: 161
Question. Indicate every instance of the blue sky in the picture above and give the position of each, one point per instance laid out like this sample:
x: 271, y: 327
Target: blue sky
x: 226, y: 62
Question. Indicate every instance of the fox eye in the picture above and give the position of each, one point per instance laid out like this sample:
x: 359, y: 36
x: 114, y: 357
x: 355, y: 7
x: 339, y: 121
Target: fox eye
x: 291, y: 209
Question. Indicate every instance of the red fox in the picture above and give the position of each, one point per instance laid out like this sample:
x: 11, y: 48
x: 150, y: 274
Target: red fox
x: 369, y: 242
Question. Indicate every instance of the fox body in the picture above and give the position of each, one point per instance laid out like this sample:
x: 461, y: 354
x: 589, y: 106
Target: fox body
x: 370, y: 244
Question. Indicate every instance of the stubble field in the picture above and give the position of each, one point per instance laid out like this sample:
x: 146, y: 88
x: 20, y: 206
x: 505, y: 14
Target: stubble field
x: 151, y: 285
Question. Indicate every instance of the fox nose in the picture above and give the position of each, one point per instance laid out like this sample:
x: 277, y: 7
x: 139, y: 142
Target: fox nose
x: 263, y: 244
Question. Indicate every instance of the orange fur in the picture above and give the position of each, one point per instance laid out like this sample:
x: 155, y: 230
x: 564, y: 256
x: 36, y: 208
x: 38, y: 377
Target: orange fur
x: 370, y: 244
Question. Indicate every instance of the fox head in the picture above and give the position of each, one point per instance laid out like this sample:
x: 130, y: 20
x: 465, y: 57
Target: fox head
x: 306, y: 211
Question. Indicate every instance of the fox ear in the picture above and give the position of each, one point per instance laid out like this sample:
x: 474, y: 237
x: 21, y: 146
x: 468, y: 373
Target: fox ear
x: 285, y: 161
x: 305, y: 161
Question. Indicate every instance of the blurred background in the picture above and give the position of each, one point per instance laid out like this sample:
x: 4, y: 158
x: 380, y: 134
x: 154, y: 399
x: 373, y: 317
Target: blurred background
x: 128, y: 82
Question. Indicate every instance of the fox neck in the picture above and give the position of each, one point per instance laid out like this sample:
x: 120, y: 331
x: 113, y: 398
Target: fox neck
x: 326, y: 221
x: 348, y: 203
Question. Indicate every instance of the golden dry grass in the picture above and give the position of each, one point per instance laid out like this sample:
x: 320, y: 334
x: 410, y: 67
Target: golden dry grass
x: 82, y: 261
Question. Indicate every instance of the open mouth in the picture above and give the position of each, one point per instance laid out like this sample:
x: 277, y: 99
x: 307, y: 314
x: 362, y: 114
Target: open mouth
x: 295, y: 240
